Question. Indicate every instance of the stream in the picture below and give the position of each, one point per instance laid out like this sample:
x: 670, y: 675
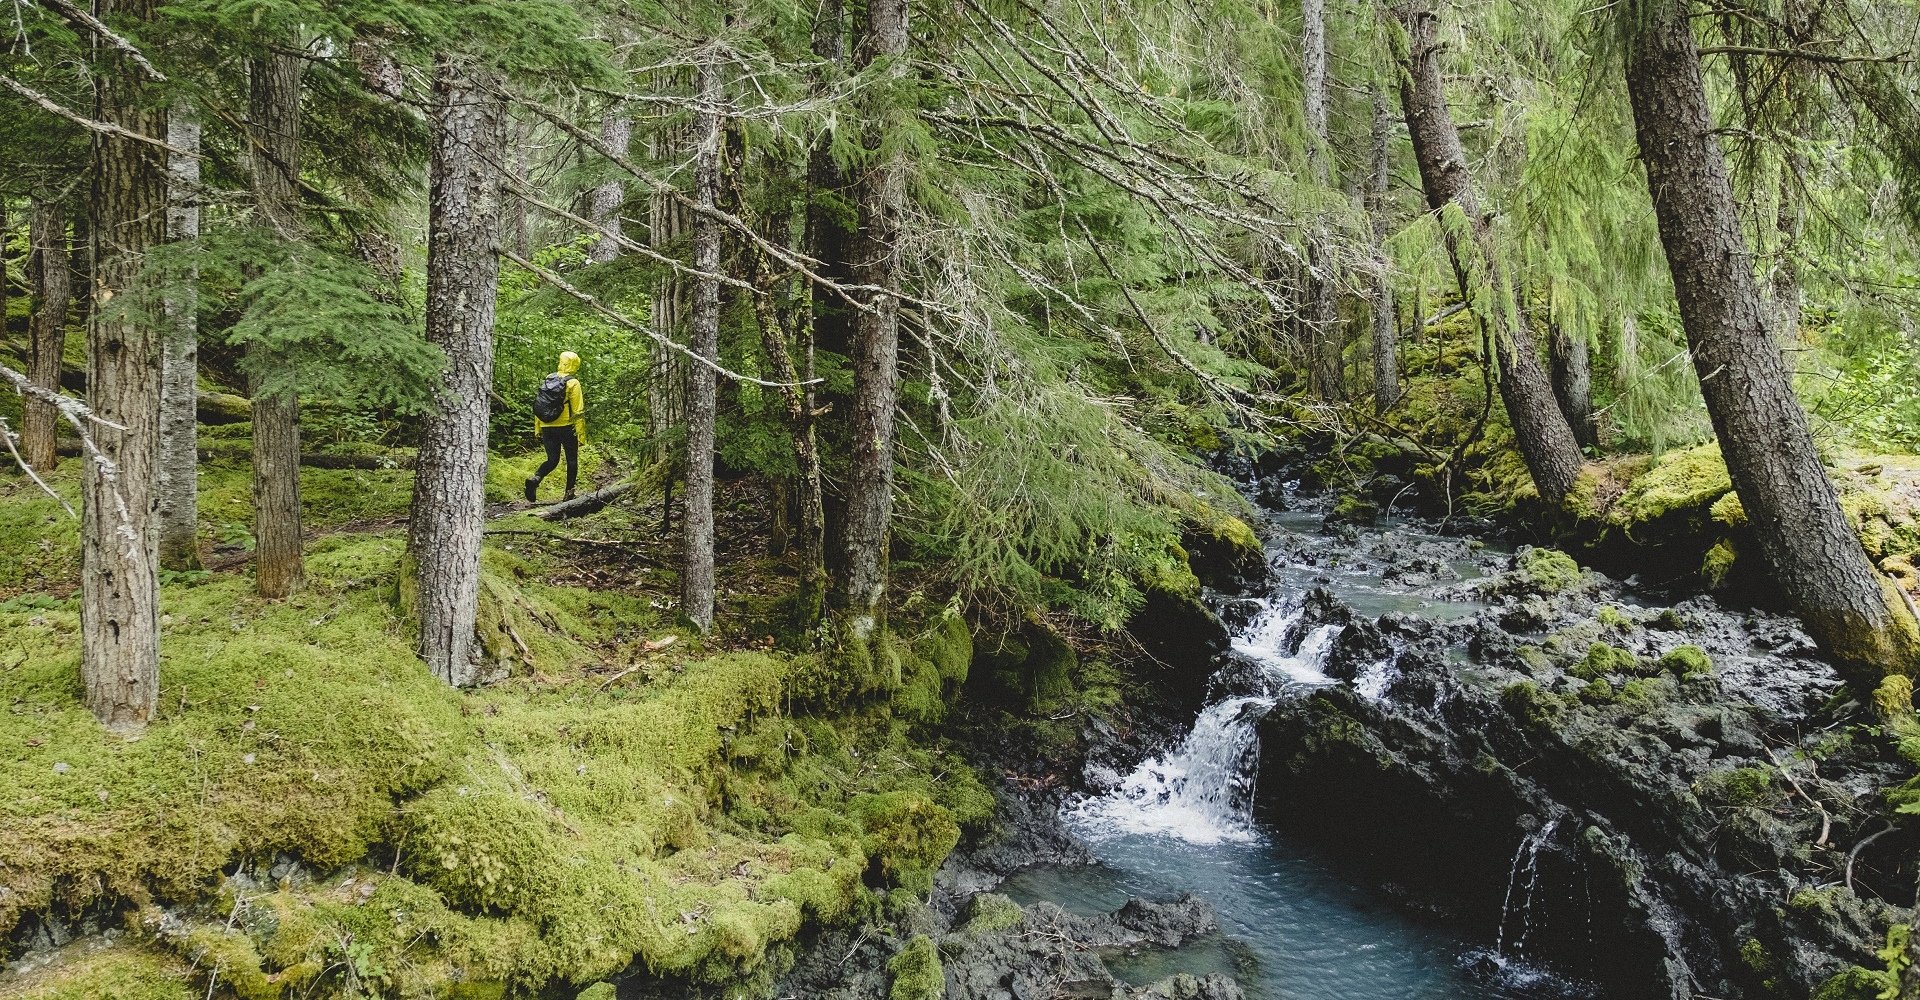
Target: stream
x: 1294, y: 925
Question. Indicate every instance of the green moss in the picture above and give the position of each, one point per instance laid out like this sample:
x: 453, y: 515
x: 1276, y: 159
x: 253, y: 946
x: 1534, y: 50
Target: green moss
x: 598, y: 991
x: 1613, y: 617
x: 1668, y: 620
x: 1894, y: 697
x: 1603, y: 660
x: 1728, y: 510
x: 1716, y: 569
x: 119, y: 972
x: 989, y: 912
x: 1743, y: 786
x: 907, y: 836
x: 1854, y: 983
x: 1528, y: 703
x: 1549, y: 571
x: 1681, y: 482
x: 1353, y: 509
x: 1686, y: 661
x: 916, y: 972
x: 1597, y: 692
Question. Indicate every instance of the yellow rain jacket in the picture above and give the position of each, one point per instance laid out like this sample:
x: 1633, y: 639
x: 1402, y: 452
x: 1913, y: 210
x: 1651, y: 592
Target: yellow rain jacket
x: 576, y: 410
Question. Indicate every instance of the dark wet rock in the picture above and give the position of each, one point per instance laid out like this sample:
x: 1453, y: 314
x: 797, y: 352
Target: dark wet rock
x: 1636, y: 829
x: 1183, y: 638
x: 1048, y: 952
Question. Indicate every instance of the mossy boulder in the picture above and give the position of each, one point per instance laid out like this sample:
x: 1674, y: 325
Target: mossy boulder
x: 989, y: 912
x: 906, y: 837
x: 1528, y: 703
x: 119, y: 972
x: 916, y: 972
x: 1603, y: 660
x: 1222, y: 551
x: 1540, y: 571
x: 1686, y: 661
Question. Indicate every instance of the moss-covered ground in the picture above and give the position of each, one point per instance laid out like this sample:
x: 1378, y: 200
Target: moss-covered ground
x: 312, y: 814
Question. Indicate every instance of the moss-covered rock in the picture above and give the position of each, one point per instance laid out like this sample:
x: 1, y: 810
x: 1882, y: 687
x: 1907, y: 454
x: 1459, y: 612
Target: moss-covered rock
x: 1686, y: 661
x: 1603, y: 660
x: 989, y: 912
x: 119, y: 972
x: 906, y: 837
x: 916, y: 972
x: 1537, y: 708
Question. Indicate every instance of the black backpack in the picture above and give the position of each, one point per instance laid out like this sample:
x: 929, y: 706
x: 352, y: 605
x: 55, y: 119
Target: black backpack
x: 551, y: 401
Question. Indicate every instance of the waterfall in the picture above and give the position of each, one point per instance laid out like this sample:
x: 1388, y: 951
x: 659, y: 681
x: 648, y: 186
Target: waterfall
x: 1202, y: 790
x: 1526, y: 864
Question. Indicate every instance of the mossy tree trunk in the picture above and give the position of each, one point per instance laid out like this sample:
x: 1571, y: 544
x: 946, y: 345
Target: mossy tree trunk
x: 1324, y: 341
x: 274, y: 152
x: 177, y: 477
x: 119, y: 580
x: 1386, y: 340
x: 49, y: 275
x: 1848, y: 608
x: 831, y: 219
x: 603, y: 206
x: 860, y: 589
x: 449, y: 491
x: 1546, y: 442
x: 1573, y: 381
x: 696, y: 519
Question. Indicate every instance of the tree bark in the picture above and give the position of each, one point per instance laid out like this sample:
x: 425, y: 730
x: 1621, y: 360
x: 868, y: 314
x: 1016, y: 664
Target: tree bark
x: 176, y: 481
x: 696, y: 519
x: 119, y: 581
x: 1324, y: 343
x: 603, y: 207
x: 1386, y: 345
x: 48, y: 273
x: 862, y: 584
x: 1546, y: 442
x: 1817, y: 559
x: 449, y: 492
x: 274, y: 148
x: 1573, y: 382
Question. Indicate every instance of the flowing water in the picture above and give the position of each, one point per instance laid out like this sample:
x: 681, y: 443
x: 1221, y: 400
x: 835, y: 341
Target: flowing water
x: 1294, y: 928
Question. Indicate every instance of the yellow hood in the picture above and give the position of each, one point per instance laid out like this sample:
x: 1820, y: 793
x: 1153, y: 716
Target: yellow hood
x: 569, y: 363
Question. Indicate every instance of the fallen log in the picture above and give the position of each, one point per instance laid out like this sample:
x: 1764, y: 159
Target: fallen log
x: 586, y: 503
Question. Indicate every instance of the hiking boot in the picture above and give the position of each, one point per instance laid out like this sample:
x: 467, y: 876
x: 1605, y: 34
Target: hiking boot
x: 532, y: 485
x: 569, y: 494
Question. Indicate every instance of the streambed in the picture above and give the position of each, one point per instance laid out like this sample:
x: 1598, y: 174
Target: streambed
x: 1295, y: 924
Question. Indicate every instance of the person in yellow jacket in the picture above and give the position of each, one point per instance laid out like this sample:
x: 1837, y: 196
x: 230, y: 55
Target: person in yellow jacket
x: 566, y: 432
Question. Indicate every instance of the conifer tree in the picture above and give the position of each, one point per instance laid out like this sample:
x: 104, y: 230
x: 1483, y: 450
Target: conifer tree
x: 876, y: 263
x: 119, y: 580
x: 1817, y: 560
x: 696, y: 527
x: 49, y: 274
x: 274, y: 154
x: 1546, y: 442
x: 177, y: 475
x: 449, y: 492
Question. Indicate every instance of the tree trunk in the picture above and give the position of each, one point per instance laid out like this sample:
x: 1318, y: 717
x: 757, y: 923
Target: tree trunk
x: 119, y: 581
x: 1386, y: 346
x: 668, y: 222
x: 861, y: 588
x: 616, y: 130
x: 1573, y: 382
x: 48, y: 273
x: 696, y: 519
x: 1797, y: 83
x: 1848, y: 608
x: 176, y: 481
x: 1546, y: 442
x: 449, y: 492
x: 274, y: 148
x: 1324, y: 340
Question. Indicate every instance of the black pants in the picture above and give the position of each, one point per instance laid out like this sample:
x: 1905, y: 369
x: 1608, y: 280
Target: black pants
x: 558, y: 439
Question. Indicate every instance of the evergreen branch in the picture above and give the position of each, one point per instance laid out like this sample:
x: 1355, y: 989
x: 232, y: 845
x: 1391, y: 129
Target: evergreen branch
x: 73, y: 13
x: 621, y: 319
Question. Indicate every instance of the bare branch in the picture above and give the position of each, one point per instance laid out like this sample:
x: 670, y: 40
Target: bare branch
x: 636, y: 326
